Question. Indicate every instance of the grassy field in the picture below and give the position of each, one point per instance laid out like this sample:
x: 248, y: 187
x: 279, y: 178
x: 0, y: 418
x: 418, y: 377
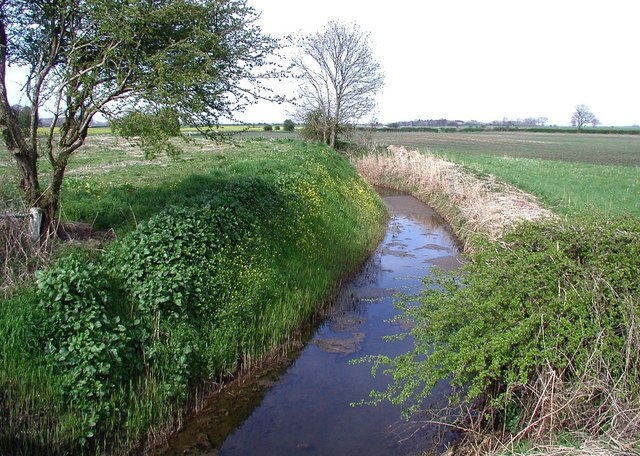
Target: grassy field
x: 592, y: 148
x: 235, y: 128
x: 110, y: 346
x: 570, y: 172
x: 125, y: 183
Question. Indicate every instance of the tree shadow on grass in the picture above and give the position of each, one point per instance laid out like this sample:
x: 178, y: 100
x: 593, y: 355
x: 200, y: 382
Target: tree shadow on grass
x: 122, y: 208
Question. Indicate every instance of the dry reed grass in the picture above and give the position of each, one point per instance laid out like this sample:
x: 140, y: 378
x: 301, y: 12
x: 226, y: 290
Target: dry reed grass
x: 482, y: 206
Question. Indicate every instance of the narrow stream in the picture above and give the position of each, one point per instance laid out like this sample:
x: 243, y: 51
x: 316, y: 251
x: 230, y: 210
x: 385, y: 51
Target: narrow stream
x: 303, y: 408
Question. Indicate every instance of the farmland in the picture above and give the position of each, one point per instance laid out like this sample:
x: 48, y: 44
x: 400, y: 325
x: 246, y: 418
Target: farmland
x: 570, y: 172
x: 597, y: 149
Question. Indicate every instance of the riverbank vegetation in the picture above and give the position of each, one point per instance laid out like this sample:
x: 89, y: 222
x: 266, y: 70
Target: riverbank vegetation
x: 539, y: 333
x: 209, y: 271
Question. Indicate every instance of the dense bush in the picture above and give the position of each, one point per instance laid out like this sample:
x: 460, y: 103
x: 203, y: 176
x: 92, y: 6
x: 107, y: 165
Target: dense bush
x: 180, y: 270
x: 84, y: 335
x: 553, y: 301
x: 288, y: 125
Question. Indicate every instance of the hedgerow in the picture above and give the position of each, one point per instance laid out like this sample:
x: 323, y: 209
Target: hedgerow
x: 540, y: 329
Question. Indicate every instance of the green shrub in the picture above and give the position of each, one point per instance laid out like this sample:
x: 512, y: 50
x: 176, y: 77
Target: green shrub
x: 559, y: 297
x: 288, y: 125
x: 176, y: 269
x: 267, y: 128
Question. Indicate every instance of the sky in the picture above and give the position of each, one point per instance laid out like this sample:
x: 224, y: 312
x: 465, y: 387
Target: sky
x: 484, y: 60
x: 479, y: 60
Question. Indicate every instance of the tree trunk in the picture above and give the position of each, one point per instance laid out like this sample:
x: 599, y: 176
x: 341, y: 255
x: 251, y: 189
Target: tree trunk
x: 27, y: 162
x: 49, y: 203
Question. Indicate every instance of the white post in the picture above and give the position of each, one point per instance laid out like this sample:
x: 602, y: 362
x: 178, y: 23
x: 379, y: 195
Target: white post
x: 35, y: 217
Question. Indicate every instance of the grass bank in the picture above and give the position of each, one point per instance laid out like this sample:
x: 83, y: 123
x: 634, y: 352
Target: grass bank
x: 210, y: 270
x: 475, y: 206
x: 538, y: 335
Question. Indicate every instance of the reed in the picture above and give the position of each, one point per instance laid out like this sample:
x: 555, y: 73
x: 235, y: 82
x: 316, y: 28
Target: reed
x: 475, y: 205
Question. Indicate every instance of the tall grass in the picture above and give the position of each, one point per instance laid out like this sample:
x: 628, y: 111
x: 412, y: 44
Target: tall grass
x: 223, y: 267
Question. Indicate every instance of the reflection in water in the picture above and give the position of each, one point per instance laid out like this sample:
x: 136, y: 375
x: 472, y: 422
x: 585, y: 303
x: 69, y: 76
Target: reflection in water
x: 306, y: 410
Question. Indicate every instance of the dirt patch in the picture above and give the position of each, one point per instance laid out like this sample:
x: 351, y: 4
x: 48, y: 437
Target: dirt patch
x: 83, y: 232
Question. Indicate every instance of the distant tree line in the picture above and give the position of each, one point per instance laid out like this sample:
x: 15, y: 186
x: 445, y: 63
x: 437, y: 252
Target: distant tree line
x: 439, y: 123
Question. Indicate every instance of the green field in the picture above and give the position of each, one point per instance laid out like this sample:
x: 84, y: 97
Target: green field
x: 581, y: 148
x: 570, y: 172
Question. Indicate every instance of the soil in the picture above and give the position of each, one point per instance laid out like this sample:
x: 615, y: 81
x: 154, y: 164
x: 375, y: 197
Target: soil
x: 81, y: 232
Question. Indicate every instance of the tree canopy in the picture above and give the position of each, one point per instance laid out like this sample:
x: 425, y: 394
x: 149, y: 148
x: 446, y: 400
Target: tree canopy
x: 201, y: 59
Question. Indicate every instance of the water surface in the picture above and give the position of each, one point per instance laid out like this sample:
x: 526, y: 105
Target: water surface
x: 304, y: 408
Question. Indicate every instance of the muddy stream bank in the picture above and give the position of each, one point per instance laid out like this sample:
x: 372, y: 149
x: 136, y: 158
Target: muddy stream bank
x: 301, y: 405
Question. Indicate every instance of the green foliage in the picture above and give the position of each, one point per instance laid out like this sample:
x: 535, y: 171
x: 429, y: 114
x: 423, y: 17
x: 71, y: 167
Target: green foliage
x: 85, y: 341
x: 151, y: 131
x: 267, y: 128
x: 316, y: 126
x: 23, y: 116
x: 551, y: 296
x: 176, y: 269
x: 112, y: 343
x: 288, y: 125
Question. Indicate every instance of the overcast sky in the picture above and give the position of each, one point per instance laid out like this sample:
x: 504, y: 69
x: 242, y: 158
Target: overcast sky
x: 485, y: 60
x: 482, y: 60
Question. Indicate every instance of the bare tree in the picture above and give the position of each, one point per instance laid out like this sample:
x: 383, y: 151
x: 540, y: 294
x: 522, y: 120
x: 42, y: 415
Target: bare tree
x: 340, y: 78
x: 583, y: 116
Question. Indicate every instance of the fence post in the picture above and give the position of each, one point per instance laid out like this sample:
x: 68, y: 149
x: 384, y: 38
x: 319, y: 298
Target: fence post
x: 35, y: 220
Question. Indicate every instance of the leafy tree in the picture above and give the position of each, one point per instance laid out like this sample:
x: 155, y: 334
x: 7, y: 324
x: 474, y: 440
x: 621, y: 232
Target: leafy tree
x: 288, y: 125
x: 583, y: 116
x: 340, y: 78
x: 127, y: 60
x: 150, y: 131
x: 23, y: 116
